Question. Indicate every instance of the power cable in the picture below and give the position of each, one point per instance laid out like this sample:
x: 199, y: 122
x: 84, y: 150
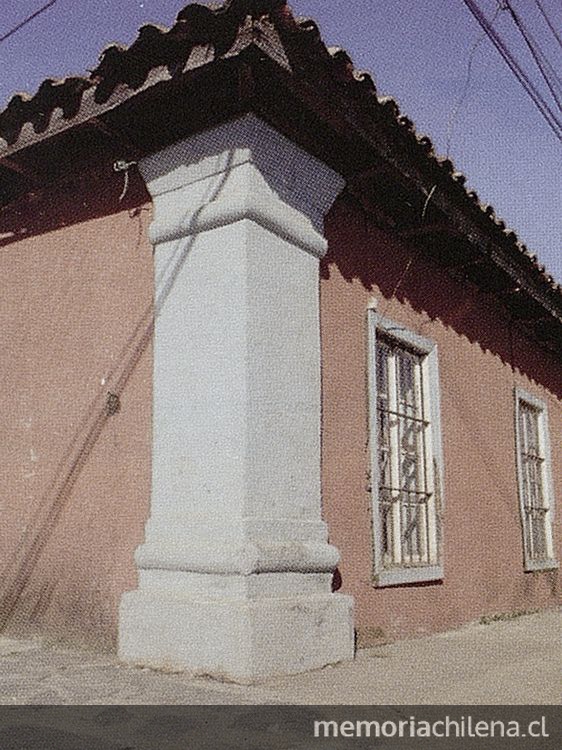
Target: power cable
x: 551, y: 118
x: 548, y: 22
x: 27, y: 20
x: 464, y: 93
x: 536, y: 53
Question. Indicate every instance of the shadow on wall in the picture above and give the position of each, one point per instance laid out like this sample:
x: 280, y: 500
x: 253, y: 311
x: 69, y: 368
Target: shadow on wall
x: 40, y: 212
x: 362, y: 252
x: 23, y: 599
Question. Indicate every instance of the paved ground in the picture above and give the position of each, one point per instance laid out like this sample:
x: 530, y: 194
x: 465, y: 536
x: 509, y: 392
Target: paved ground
x: 514, y: 662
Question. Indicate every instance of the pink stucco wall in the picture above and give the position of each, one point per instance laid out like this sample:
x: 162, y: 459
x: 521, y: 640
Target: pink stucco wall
x: 75, y: 315
x: 480, y: 362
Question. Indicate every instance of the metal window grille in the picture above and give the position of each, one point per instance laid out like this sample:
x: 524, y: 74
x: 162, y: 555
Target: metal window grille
x: 532, y: 472
x: 407, y: 505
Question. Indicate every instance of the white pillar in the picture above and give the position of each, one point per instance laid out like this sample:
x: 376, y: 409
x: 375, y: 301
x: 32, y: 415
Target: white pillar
x: 235, y: 571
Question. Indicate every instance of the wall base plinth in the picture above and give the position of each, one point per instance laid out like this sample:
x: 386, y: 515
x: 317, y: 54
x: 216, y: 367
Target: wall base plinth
x: 239, y: 640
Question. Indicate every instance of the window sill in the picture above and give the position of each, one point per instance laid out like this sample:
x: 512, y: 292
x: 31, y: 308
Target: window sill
x: 401, y: 576
x: 532, y: 566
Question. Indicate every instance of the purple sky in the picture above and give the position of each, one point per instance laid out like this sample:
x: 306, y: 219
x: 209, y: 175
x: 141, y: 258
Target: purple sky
x: 417, y: 51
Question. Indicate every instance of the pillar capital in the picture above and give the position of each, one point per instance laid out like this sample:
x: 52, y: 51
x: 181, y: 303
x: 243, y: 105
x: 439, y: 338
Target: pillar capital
x: 243, y: 169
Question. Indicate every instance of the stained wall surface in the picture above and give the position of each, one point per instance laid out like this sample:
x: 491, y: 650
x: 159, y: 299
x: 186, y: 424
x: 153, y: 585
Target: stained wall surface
x: 482, y: 357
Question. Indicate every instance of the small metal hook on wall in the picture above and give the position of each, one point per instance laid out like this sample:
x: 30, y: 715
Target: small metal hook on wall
x: 123, y: 166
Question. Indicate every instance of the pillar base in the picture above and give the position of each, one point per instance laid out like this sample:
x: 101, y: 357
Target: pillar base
x: 238, y: 639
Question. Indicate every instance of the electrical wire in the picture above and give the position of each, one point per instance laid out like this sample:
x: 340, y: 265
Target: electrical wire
x: 516, y: 68
x: 551, y: 118
x: 464, y: 93
x: 536, y: 53
x: 548, y: 22
x: 27, y: 20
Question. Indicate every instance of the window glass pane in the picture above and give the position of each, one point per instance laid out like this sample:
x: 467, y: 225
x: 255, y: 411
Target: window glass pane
x: 383, y: 417
x: 406, y: 364
x: 385, y: 508
x: 532, y: 432
x: 383, y: 356
x: 384, y: 469
x: 538, y: 533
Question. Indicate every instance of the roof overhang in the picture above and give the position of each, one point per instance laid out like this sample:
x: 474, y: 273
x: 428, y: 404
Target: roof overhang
x: 271, y: 64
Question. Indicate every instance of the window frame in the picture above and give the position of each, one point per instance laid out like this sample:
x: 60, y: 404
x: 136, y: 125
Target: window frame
x: 427, y: 350
x: 522, y: 396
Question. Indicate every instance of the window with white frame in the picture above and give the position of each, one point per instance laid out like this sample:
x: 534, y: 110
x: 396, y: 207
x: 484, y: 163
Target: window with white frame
x: 534, y: 479
x: 406, y: 470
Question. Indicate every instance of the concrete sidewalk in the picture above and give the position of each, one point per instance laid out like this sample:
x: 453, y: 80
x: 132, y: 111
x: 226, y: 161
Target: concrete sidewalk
x: 513, y: 662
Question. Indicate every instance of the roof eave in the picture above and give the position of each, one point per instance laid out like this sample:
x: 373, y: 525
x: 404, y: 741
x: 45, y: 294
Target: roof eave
x: 345, y: 126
